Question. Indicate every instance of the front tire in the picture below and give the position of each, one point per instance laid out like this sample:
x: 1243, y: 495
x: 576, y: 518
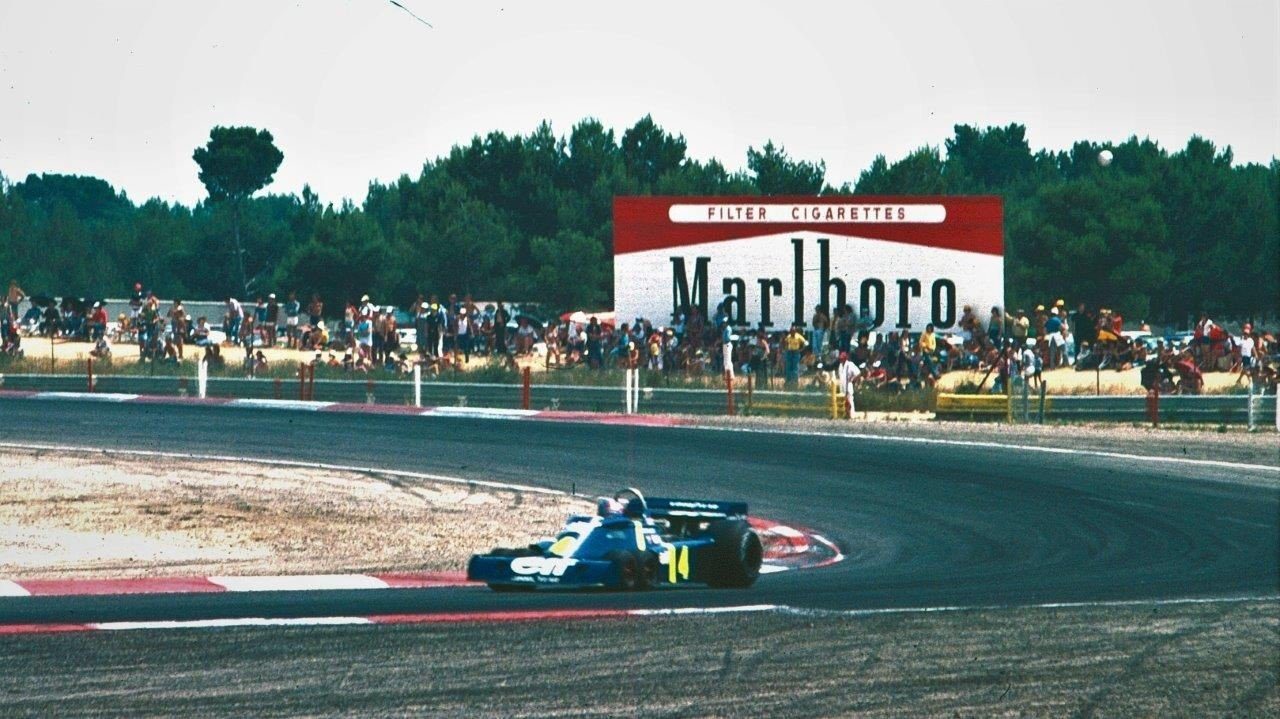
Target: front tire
x: 738, y: 554
x: 628, y: 569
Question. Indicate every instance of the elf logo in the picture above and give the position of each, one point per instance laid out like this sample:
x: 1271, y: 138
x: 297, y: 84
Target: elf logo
x: 542, y: 566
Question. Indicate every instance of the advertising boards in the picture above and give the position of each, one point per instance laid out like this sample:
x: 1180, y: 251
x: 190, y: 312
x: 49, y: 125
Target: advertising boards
x: 905, y: 261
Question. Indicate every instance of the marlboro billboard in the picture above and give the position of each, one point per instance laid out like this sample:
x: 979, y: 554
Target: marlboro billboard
x: 908, y: 261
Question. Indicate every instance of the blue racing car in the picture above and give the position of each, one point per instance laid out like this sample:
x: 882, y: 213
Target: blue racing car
x: 634, y: 543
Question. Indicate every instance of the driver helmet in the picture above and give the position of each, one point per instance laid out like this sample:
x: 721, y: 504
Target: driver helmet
x: 607, y: 506
x: 635, y: 508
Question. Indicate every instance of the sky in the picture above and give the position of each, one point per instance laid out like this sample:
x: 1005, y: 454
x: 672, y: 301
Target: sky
x: 358, y: 90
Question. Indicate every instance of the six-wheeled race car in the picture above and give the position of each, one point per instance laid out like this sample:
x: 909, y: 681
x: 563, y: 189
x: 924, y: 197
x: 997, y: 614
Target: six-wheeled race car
x: 634, y: 543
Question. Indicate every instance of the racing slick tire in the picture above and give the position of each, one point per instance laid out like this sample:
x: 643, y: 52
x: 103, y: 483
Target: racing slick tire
x: 649, y: 566
x: 737, y: 554
x: 628, y: 569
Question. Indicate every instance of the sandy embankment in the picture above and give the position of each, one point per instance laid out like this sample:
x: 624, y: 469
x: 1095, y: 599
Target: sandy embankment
x: 94, y: 515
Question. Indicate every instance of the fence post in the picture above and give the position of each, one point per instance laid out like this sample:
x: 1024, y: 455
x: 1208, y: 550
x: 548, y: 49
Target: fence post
x: 1026, y: 401
x: 302, y: 381
x: 751, y: 384
x: 1153, y: 406
x: 1008, y: 397
x: 526, y: 380
x: 311, y: 382
x: 202, y: 378
x: 1044, y: 390
x: 728, y: 383
x: 626, y: 390
x: 90, y: 366
x: 1253, y: 424
x: 277, y: 388
x: 835, y: 411
x: 368, y: 392
x: 417, y: 385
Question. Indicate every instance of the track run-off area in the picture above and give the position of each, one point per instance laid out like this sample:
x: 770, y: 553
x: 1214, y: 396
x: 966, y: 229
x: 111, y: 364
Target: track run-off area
x: 922, y: 525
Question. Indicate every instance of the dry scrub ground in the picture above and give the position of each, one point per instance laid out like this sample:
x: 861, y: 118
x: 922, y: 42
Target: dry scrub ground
x: 94, y: 515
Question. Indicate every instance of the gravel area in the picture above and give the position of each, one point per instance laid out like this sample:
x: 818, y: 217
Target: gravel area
x: 82, y: 515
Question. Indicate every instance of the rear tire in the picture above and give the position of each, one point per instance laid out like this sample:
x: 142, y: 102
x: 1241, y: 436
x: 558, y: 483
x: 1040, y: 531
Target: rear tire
x: 628, y: 569
x: 737, y: 554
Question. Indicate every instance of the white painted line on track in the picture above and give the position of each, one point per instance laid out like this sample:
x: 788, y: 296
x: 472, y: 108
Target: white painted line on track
x: 91, y: 396
x: 747, y: 608
x: 481, y: 412
x: 223, y: 623
x: 801, y: 611
x: 298, y: 582
x: 284, y: 463
x: 997, y: 445
x: 279, y: 404
x: 12, y: 589
x: 671, y: 612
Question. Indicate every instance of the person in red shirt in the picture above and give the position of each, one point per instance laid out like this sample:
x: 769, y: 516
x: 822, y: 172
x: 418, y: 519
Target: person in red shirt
x: 98, y: 321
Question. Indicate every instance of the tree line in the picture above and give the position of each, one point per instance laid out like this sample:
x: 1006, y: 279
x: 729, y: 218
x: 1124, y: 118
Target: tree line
x: 1156, y: 234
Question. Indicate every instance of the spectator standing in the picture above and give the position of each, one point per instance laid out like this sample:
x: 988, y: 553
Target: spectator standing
x: 379, y: 320
x: 1248, y: 345
x: 260, y: 319
x: 9, y: 305
x: 235, y: 314
x: 148, y: 324
x: 928, y: 348
x: 793, y: 345
x: 98, y: 322
x: 820, y: 324
x: 315, y: 310
x: 995, y: 327
x: 272, y: 327
x: 466, y: 319
x: 1019, y: 329
x: 292, y: 310
x: 15, y: 295
x: 1055, y: 339
x: 500, y: 319
x: 595, y: 358
x: 847, y: 374
x: 135, y: 302
x: 178, y: 324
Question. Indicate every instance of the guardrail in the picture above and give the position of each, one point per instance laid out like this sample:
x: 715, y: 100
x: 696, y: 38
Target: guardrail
x: 1254, y: 410
x: 652, y: 400
x: 1021, y: 407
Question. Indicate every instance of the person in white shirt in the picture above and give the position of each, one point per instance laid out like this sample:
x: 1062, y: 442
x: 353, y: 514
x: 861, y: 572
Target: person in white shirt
x: 1247, y: 348
x: 847, y: 374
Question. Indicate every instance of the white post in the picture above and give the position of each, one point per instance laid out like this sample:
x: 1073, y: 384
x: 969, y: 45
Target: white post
x: 417, y: 385
x: 202, y: 378
x: 626, y: 379
x: 635, y: 393
x: 1253, y: 424
x: 727, y: 359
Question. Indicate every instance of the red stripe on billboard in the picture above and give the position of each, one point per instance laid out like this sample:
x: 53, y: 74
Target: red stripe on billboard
x: 972, y: 223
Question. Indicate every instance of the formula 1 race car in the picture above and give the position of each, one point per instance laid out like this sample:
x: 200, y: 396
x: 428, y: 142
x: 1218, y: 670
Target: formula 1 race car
x: 634, y: 543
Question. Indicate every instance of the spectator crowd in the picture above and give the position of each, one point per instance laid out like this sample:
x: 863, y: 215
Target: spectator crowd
x: 841, y: 345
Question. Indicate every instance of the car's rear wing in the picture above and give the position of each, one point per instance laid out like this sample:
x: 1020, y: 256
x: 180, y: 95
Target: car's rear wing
x: 661, y: 507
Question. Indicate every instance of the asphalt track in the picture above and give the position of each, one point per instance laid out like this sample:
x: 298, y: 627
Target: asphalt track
x: 922, y: 525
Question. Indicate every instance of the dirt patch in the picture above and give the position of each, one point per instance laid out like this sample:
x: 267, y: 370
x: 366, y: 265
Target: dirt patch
x: 89, y: 515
